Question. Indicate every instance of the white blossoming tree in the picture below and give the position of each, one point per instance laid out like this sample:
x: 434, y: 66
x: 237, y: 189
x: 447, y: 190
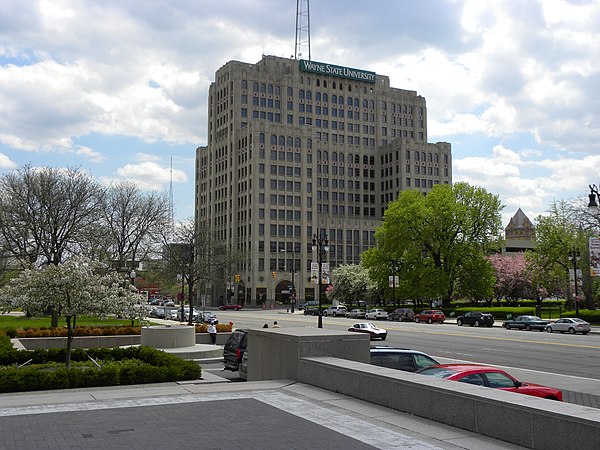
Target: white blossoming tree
x: 72, y: 288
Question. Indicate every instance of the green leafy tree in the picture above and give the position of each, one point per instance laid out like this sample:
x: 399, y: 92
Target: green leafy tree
x: 436, y: 237
x: 72, y: 288
x: 556, y: 234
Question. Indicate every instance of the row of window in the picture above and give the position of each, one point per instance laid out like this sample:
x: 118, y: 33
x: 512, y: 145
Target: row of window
x: 324, y: 97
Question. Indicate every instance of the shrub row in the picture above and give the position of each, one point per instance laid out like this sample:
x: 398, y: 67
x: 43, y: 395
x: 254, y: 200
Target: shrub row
x: 119, y: 366
x: 95, y: 331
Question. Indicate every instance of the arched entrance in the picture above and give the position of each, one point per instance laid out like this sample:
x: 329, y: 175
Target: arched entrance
x: 283, y: 290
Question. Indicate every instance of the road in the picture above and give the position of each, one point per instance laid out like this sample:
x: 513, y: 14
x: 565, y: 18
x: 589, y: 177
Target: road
x: 568, y: 362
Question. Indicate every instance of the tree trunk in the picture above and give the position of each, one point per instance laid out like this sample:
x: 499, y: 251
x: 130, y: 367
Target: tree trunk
x: 54, y: 318
x: 70, y: 329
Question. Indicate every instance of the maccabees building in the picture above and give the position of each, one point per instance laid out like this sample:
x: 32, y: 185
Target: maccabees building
x: 301, y: 148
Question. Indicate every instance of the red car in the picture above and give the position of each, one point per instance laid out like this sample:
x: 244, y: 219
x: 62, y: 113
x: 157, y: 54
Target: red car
x: 234, y: 307
x: 430, y: 316
x: 490, y: 377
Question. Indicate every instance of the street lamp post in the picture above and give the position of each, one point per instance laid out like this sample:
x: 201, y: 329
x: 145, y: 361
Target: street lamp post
x: 574, y: 257
x: 320, y: 244
x: 594, y: 194
x: 394, y: 270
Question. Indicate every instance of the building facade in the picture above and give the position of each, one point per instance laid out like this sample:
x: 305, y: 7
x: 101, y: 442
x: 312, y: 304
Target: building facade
x: 301, y: 148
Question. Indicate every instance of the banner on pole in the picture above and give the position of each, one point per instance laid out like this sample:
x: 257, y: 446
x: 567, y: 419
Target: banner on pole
x: 594, y: 248
x: 314, y: 272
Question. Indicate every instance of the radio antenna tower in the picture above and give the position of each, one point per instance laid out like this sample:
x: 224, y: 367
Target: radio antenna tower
x: 302, y: 46
x: 171, y: 208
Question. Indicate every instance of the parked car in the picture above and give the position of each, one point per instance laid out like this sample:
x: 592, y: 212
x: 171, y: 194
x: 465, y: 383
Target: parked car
x: 234, y: 307
x: 243, y: 369
x: 311, y: 310
x: 400, y: 358
x: 475, y: 319
x: 372, y: 330
x: 207, y: 317
x: 526, y: 323
x: 490, y: 377
x: 376, y: 314
x: 305, y: 305
x: 430, y: 316
x: 158, y: 312
x: 569, y: 324
x: 356, y: 313
x: 335, y: 311
x: 402, y: 314
x: 234, y: 349
x: 172, y: 314
x: 186, y: 313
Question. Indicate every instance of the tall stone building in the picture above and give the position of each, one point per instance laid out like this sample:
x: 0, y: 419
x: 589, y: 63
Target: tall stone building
x: 301, y: 148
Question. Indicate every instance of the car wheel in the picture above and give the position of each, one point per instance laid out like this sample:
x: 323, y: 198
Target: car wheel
x: 571, y: 330
x: 476, y: 323
x: 527, y: 327
x: 507, y: 326
x: 334, y: 314
x: 429, y: 320
x: 459, y: 323
x: 417, y: 319
x: 549, y: 329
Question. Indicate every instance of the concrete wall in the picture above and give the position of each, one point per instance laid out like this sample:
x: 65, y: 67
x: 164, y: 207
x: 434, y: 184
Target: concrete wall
x: 103, y: 341
x: 274, y: 353
x: 314, y: 356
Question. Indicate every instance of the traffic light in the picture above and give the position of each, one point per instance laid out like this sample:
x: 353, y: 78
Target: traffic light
x: 274, y: 274
x: 237, y: 278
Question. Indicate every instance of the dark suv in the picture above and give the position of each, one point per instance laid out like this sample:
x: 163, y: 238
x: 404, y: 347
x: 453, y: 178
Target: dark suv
x: 475, y: 318
x: 234, y: 350
x: 400, y: 358
x: 402, y: 314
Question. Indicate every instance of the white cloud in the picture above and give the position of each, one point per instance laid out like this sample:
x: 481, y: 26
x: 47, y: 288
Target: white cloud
x: 6, y: 163
x: 150, y: 175
x: 91, y: 155
x: 74, y: 72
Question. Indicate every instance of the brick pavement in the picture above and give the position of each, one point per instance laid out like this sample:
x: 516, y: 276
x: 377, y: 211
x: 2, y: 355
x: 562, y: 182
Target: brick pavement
x: 231, y: 416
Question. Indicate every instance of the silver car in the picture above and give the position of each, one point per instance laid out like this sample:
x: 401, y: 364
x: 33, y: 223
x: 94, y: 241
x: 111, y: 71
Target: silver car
x: 569, y: 324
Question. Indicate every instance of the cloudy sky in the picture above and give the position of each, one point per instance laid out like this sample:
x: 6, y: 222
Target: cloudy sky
x: 119, y: 87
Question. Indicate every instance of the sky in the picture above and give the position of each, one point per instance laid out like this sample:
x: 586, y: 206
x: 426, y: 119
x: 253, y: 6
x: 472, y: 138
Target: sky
x: 118, y: 88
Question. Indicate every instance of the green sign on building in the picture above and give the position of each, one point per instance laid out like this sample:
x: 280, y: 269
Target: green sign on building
x: 337, y: 71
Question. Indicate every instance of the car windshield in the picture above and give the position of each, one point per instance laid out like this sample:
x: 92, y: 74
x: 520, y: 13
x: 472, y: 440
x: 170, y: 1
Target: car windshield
x: 438, y: 372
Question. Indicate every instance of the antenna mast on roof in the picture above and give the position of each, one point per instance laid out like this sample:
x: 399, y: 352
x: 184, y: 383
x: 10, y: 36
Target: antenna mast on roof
x: 302, y: 47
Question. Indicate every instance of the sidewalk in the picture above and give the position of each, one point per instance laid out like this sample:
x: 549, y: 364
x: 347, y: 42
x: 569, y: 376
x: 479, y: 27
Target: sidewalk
x: 210, y: 414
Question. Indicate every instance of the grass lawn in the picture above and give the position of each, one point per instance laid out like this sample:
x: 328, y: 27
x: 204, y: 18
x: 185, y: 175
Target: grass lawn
x: 40, y: 322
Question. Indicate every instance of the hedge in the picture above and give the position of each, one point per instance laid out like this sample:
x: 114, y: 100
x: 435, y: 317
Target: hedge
x: 95, y: 331
x: 119, y: 366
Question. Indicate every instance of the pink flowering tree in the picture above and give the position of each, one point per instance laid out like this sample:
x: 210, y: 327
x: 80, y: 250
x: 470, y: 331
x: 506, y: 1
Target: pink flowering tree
x: 512, y: 280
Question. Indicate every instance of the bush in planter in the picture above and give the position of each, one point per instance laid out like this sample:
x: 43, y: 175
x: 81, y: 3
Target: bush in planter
x: 132, y: 365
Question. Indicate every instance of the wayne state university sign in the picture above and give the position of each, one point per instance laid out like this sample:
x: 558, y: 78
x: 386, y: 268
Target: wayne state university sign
x: 337, y: 71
